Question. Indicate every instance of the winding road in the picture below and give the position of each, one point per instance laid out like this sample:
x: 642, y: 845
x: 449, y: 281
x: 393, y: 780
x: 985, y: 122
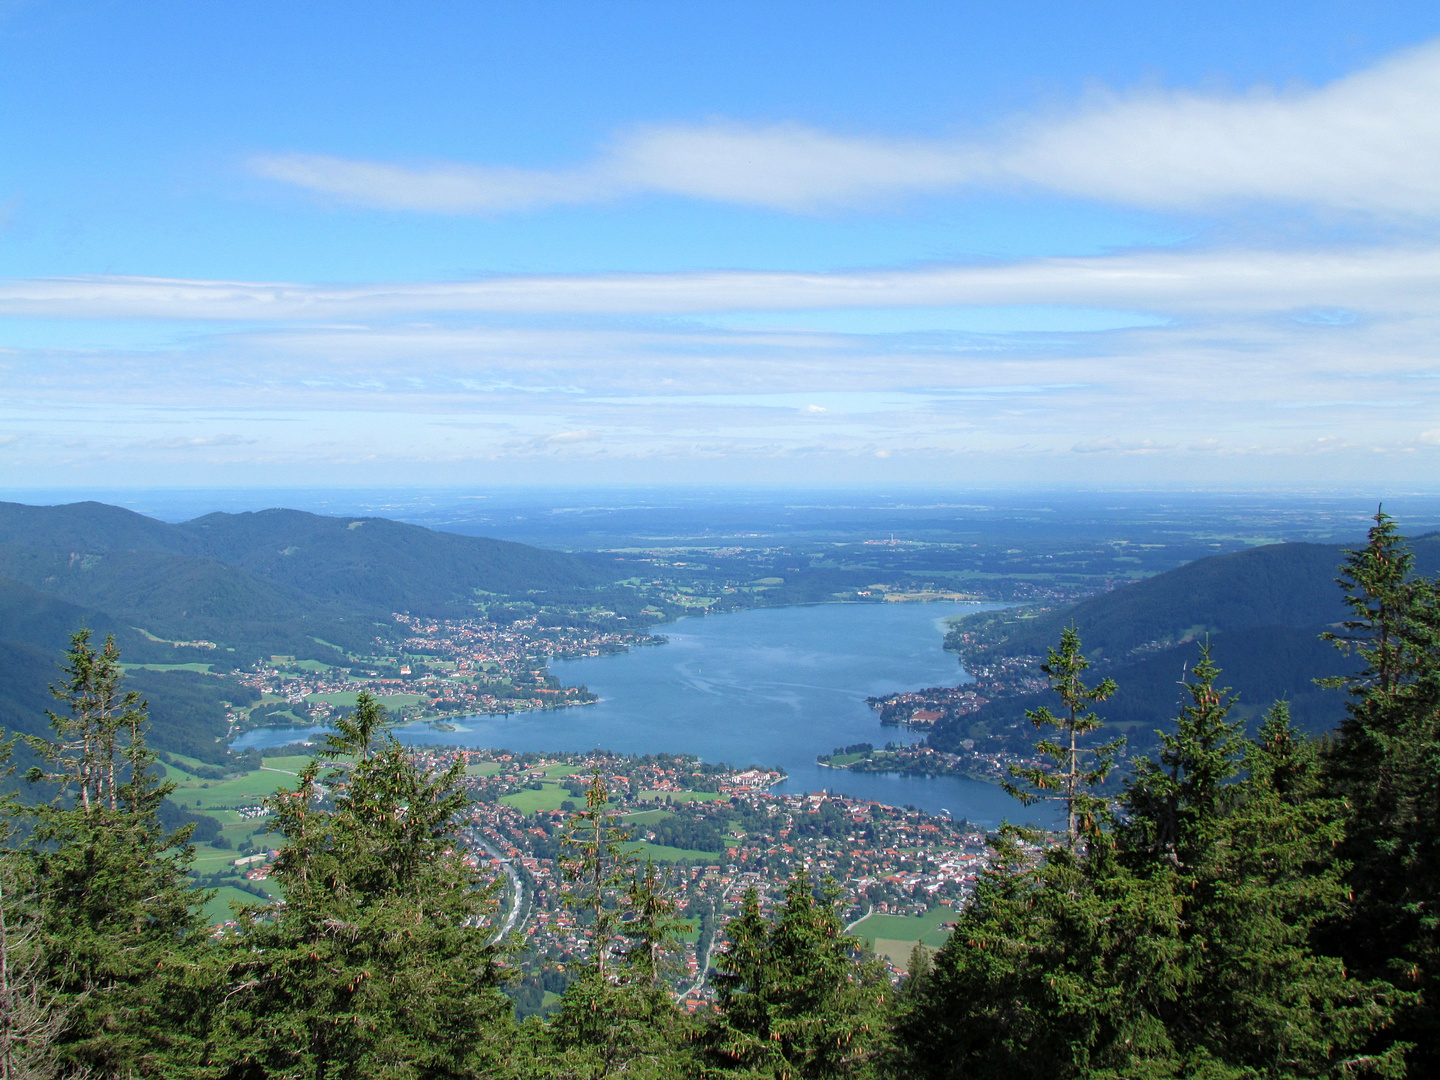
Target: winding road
x: 515, y: 884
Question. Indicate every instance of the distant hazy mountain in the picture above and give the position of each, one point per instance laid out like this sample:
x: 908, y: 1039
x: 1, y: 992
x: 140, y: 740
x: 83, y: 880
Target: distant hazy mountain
x: 254, y: 584
x: 1262, y: 611
x: 384, y: 563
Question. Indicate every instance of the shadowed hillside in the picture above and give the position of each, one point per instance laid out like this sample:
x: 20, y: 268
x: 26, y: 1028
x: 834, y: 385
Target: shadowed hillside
x: 383, y: 563
x: 231, y: 589
x: 1262, y: 612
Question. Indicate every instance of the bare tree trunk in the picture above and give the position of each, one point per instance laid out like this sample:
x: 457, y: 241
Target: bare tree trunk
x: 29, y: 1022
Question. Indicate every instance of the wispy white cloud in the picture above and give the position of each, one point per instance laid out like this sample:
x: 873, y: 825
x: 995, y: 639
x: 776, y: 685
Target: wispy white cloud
x: 1389, y: 279
x: 1369, y: 142
x: 194, y: 442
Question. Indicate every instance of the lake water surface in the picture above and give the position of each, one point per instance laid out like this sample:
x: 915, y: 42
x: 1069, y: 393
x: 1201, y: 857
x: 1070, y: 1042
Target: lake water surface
x: 775, y: 686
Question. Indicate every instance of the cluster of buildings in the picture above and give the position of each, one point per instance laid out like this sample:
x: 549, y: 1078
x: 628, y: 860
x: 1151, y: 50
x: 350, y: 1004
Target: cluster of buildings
x: 923, y: 708
x: 883, y: 859
x: 468, y: 642
x: 453, y: 667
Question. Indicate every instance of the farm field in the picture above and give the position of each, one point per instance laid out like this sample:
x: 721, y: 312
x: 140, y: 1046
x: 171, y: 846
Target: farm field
x: 548, y: 797
x: 646, y: 817
x: 679, y: 796
x: 894, y: 936
x: 218, y: 910
x: 221, y: 799
x: 660, y: 853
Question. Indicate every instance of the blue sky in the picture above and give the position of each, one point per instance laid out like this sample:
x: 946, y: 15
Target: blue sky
x: 1102, y: 244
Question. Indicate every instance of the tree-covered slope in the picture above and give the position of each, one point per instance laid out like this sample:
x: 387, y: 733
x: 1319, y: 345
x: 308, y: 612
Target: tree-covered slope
x: 277, y: 582
x: 88, y: 527
x: 191, y: 597
x: 388, y: 564
x: 38, y: 619
x: 1280, y: 585
x: 272, y: 582
x: 187, y: 709
x: 1261, y: 665
x: 1290, y: 585
x: 1262, y: 612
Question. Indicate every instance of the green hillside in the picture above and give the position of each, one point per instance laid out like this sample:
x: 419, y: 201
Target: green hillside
x: 255, y: 585
x: 1261, y: 610
x: 386, y: 564
x: 276, y: 582
x: 89, y: 527
x: 44, y: 621
x: 1261, y: 665
x: 1290, y: 585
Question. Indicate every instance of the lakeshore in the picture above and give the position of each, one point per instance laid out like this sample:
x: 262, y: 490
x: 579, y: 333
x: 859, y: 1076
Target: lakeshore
x: 774, y: 686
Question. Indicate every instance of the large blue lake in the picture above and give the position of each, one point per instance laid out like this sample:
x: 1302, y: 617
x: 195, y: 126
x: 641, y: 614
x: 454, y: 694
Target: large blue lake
x: 770, y: 687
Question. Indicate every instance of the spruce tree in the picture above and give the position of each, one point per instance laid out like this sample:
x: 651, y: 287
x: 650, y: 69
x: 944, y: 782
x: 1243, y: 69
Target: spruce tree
x: 1175, y: 805
x: 1180, y: 942
x: 30, y: 1017
x: 1246, y: 840
x: 597, y: 864
x: 793, y: 1002
x: 1385, y: 766
x: 1075, y: 770
x: 1055, y: 969
x: 382, y: 960
x: 651, y: 925
x: 1056, y: 963
x: 616, y: 1017
x: 115, y: 916
x: 738, y: 1037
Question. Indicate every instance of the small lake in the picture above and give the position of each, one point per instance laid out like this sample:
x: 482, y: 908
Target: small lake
x: 776, y: 686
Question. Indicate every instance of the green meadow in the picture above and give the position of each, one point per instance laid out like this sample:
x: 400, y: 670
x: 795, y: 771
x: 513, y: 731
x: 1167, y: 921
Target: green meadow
x: 679, y: 796
x: 894, y: 936
x: 548, y: 797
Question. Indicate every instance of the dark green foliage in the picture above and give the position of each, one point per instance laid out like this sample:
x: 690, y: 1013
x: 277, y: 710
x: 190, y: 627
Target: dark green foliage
x: 1054, y: 970
x: 383, y: 563
x: 1263, y: 610
x: 29, y: 616
x: 1276, y: 585
x: 1251, y: 860
x: 1075, y: 770
x: 1175, y: 804
x: 1385, y: 765
x: 381, y: 962
x: 792, y: 1002
x: 1181, y: 943
x: 596, y: 865
x: 264, y: 583
x: 201, y: 828
x: 615, y: 1017
x: 188, y: 710
x: 87, y: 526
x: 113, y: 910
x: 30, y: 1016
x: 1264, y: 665
x: 691, y: 833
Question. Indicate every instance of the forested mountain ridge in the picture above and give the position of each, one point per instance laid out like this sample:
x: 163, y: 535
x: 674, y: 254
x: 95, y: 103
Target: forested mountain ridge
x: 1262, y: 611
x: 386, y: 563
x: 1289, y: 585
x: 252, y: 585
x: 371, y: 562
x: 273, y: 581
